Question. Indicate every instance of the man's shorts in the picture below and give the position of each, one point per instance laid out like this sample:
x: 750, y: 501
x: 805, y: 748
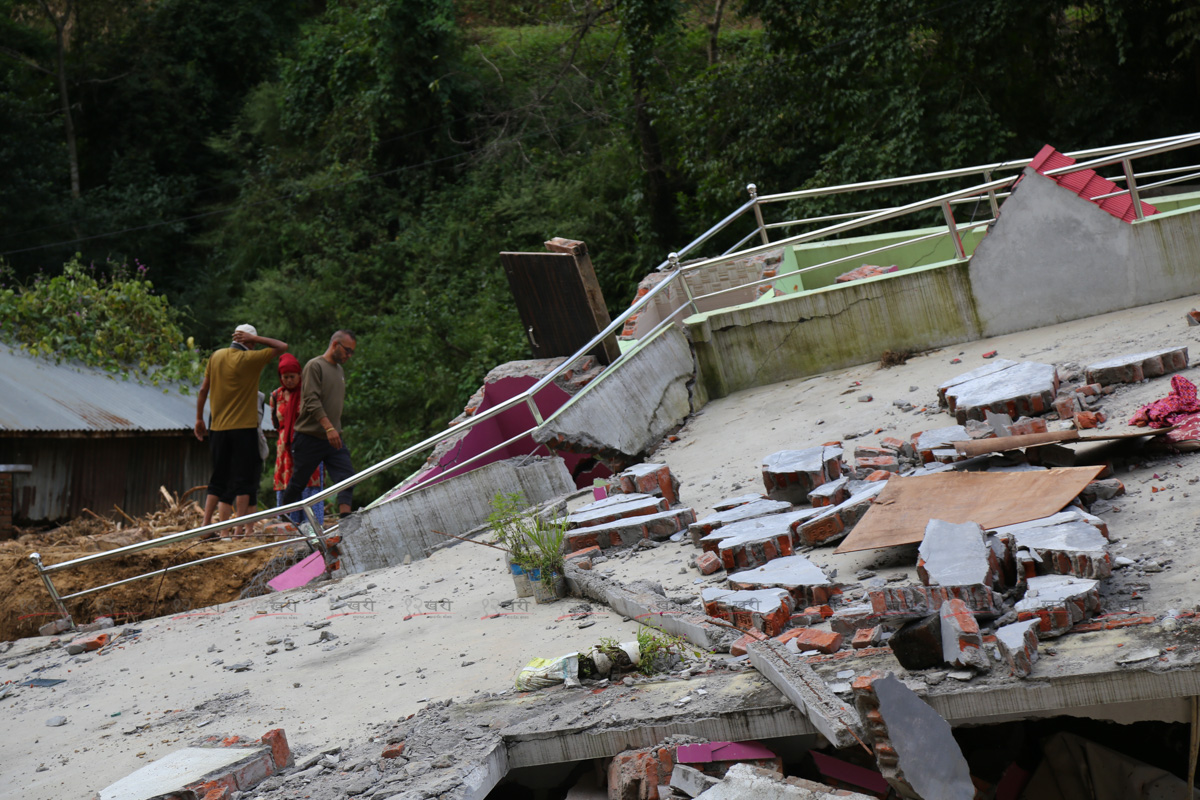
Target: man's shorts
x: 236, y: 465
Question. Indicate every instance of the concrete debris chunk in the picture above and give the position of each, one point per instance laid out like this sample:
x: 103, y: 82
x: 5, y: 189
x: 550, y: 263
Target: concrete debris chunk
x: 831, y: 493
x: 630, y: 530
x: 911, y: 602
x: 1025, y: 388
x: 791, y: 474
x: 1137, y: 366
x: 925, y: 442
x: 1070, y: 548
x: 914, y: 747
x: 1018, y: 644
x: 828, y: 713
x: 918, y: 644
x: 832, y: 524
x: 954, y: 555
x: 610, y: 509
x: 652, y: 479
x: 962, y: 644
x: 804, y: 581
x: 1057, y: 602
x: 733, y: 502
x: 757, y: 508
x: 767, y: 610
x: 995, y: 366
x: 773, y: 524
x: 743, y: 781
x: 690, y: 780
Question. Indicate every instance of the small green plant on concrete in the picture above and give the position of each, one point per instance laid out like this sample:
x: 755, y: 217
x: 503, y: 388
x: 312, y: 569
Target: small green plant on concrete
x: 532, y: 541
x: 659, y: 650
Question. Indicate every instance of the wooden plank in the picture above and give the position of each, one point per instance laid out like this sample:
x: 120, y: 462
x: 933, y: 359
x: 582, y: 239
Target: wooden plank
x: 903, y: 509
x: 978, y: 447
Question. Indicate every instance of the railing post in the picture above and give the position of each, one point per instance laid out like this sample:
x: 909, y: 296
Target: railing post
x: 36, y: 558
x: 762, y: 228
x: 954, y: 237
x: 673, y: 265
x: 314, y: 541
x: 987, y: 178
x: 533, y: 409
x: 1131, y: 182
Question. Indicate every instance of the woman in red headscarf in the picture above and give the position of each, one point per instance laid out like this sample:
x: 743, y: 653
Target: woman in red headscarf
x: 285, y: 408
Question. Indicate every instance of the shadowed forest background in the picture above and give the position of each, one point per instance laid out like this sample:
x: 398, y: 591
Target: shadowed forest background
x: 313, y: 165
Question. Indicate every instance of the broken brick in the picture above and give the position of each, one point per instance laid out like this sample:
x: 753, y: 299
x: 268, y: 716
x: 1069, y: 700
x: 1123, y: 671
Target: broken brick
x: 812, y: 639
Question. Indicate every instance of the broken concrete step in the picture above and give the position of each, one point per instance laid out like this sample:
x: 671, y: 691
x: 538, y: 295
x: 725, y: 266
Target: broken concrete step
x: 1071, y: 548
x: 911, y: 602
x: 833, y: 524
x: 1137, y: 366
x: 1027, y: 388
x: 618, y: 506
x: 804, y: 581
x: 1057, y: 602
x: 651, y: 479
x: 791, y: 474
x: 757, y: 508
x: 955, y: 554
x: 766, y: 610
x: 630, y: 530
x: 733, y: 502
x: 1018, y: 644
x: 756, y: 527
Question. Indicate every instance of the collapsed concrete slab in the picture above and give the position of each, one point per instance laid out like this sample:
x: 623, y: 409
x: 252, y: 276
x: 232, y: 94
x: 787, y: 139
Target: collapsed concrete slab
x: 791, y: 474
x: 993, y: 366
x: 782, y: 525
x: 914, y: 747
x: 743, y: 780
x: 1057, y: 602
x: 1137, y: 366
x: 385, y: 534
x: 1026, y: 388
x: 804, y: 581
x: 625, y: 413
x: 1069, y: 548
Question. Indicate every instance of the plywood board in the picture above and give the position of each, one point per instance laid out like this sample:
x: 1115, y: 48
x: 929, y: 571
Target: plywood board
x: 903, y: 509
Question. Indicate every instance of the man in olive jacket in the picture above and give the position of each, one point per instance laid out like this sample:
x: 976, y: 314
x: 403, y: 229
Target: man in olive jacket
x: 318, y: 438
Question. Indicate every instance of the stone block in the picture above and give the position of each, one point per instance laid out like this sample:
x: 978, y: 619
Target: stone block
x: 955, y: 555
x: 1105, y: 489
x: 791, y: 474
x: 867, y: 637
x: 708, y: 563
x: 1018, y: 644
x: 918, y: 644
x: 1137, y: 366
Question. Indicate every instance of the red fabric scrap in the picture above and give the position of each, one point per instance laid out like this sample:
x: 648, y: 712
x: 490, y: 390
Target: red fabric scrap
x: 1179, y: 403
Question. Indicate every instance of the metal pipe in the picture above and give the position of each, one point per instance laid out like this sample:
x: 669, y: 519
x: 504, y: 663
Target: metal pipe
x: 762, y: 229
x: 856, y: 214
x: 1131, y: 183
x: 987, y: 176
x: 36, y: 558
x: 177, y: 567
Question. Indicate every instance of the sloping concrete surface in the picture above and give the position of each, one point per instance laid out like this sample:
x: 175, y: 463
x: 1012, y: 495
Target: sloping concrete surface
x: 354, y: 692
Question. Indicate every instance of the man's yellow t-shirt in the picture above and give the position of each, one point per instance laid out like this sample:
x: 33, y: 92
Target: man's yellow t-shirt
x: 233, y: 387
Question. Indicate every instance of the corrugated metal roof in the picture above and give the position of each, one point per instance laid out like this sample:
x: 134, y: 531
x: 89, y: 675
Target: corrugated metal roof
x: 39, y: 395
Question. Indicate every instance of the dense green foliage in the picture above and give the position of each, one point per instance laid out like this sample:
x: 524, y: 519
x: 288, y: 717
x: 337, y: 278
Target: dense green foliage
x: 308, y: 165
x: 110, y: 319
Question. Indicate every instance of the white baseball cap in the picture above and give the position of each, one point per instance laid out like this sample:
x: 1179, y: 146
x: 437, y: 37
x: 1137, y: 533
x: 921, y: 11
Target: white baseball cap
x: 247, y: 328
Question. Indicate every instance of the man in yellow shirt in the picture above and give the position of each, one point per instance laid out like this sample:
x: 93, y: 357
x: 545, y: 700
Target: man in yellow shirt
x: 231, y: 378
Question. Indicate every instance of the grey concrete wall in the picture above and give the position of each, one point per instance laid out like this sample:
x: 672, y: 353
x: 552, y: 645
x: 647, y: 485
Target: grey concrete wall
x: 383, y: 535
x: 853, y: 323
x: 630, y: 411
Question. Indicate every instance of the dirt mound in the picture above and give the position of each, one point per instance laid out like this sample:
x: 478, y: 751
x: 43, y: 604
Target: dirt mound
x: 25, y: 604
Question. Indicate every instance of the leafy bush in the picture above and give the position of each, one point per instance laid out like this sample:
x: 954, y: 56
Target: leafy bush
x: 112, y: 321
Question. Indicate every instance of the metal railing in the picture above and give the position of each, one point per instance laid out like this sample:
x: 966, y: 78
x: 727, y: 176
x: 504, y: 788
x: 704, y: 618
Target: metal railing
x: 990, y: 189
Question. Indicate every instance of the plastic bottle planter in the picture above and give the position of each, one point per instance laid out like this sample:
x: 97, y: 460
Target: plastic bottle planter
x: 520, y: 578
x: 547, y: 593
